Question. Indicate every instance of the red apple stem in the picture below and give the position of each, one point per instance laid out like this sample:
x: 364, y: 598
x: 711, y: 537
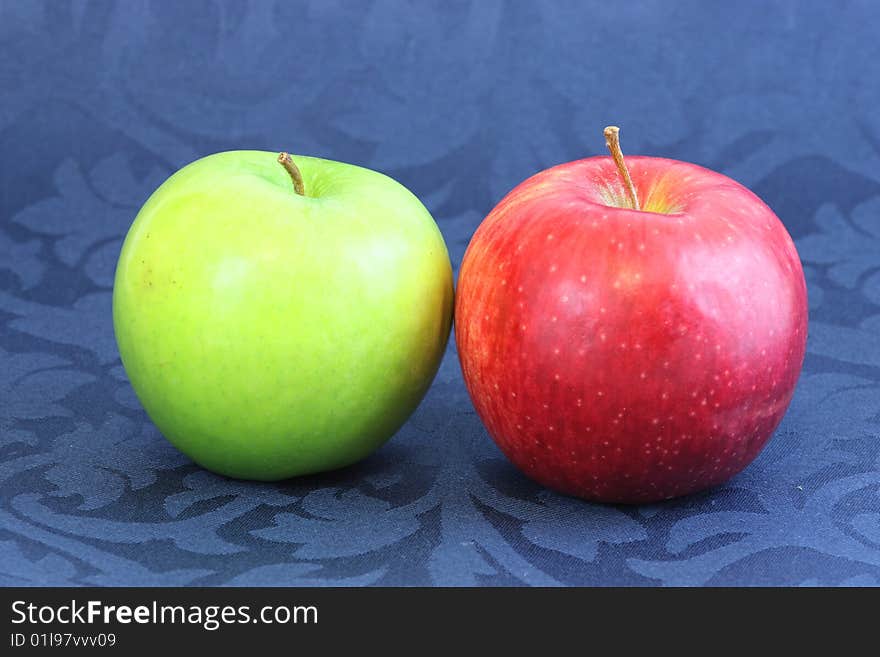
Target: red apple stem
x: 612, y: 138
x: 286, y: 161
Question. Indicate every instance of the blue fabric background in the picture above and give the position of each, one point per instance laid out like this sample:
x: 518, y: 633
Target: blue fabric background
x: 99, y: 102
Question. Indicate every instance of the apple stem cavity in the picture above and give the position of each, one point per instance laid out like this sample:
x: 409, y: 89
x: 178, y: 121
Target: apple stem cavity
x: 612, y: 138
x: 286, y: 161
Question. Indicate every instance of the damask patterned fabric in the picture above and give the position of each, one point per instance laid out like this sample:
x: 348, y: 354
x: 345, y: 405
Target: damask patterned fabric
x: 100, y: 102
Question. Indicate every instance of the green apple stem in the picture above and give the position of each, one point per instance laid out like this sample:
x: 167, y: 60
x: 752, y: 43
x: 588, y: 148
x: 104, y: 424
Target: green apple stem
x: 612, y: 138
x: 287, y: 162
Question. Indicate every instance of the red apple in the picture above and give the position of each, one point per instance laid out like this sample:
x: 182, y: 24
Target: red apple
x: 626, y: 355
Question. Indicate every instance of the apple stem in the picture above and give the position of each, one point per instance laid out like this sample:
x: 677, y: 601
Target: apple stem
x: 286, y: 161
x: 612, y: 138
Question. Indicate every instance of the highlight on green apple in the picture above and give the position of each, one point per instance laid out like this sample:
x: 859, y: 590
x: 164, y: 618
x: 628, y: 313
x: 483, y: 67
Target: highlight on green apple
x: 279, y: 316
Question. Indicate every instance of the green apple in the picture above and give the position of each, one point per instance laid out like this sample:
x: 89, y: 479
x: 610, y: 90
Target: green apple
x: 278, y: 316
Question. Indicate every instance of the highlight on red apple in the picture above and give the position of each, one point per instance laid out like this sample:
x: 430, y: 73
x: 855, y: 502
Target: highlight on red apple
x: 631, y: 330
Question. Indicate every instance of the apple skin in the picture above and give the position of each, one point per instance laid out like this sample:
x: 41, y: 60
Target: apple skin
x: 631, y: 356
x: 269, y: 334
